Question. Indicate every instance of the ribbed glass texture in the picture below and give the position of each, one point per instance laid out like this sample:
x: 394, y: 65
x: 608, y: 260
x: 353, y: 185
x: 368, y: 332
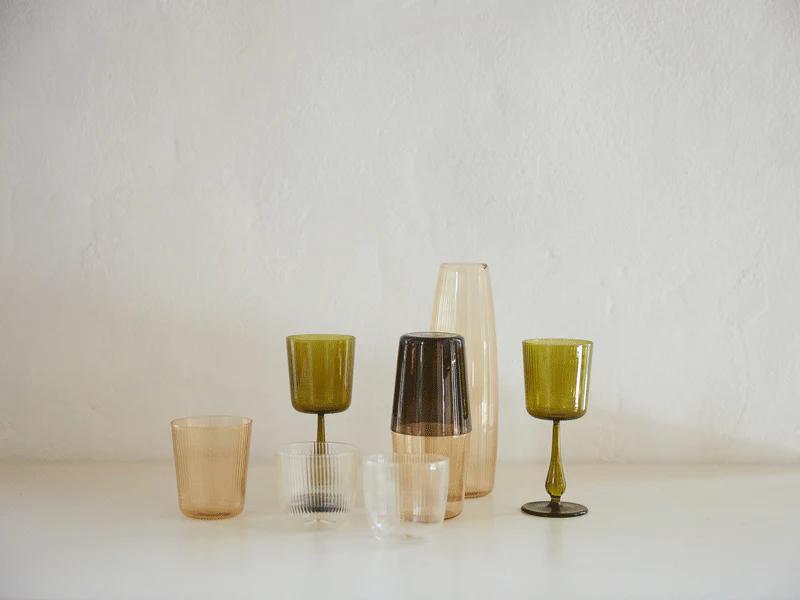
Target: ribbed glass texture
x: 405, y: 495
x: 318, y: 482
x: 321, y: 374
x: 431, y: 407
x: 454, y: 447
x: 211, y: 455
x: 463, y: 304
x: 430, y: 386
x: 556, y: 377
x: 557, y: 374
x: 321, y: 371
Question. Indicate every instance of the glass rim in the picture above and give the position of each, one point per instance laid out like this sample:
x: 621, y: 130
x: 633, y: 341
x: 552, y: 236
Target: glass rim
x: 291, y: 448
x: 556, y: 342
x: 430, y: 459
x: 320, y: 337
x: 211, y: 422
x: 465, y: 265
x: 432, y: 335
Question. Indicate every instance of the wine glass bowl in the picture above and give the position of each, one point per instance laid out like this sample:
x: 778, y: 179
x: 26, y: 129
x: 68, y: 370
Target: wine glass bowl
x: 321, y: 374
x: 556, y: 377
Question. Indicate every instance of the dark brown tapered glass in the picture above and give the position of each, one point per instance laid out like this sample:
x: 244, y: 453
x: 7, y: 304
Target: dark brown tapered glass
x: 431, y: 406
x: 556, y: 388
x: 321, y: 374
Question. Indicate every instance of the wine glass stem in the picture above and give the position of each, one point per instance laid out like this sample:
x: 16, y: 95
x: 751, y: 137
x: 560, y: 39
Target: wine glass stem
x: 320, y: 427
x: 556, y: 483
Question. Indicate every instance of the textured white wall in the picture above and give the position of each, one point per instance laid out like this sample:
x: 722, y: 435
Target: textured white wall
x: 183, y: 184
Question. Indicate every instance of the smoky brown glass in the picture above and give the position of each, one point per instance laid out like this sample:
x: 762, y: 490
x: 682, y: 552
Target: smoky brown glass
x: 211, y: 456
x: 431, y: 405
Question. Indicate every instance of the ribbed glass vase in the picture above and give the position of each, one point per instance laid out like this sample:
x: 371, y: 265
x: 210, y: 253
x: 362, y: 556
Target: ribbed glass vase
x: 463, y: 304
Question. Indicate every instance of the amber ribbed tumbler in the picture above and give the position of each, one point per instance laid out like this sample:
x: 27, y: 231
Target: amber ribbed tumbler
x: 211, y: 455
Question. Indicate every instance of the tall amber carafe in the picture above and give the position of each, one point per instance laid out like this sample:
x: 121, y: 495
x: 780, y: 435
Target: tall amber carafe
x: 463, y: 305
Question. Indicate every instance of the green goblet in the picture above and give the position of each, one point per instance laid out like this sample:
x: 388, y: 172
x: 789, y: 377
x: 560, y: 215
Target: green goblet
x: 321, y: 374
x: 556, y: 388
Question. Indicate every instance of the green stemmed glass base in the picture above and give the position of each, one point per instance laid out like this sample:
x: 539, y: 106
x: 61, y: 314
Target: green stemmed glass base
x: 548, y: 508
x: 556, y: 485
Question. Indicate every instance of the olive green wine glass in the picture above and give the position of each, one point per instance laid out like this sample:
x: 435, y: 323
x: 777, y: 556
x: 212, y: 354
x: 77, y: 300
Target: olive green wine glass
x: 321, y: 374
x: 556, y: 388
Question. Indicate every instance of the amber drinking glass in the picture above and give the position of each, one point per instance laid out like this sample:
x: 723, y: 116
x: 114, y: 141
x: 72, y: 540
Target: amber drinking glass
x: 431, y: 405
x: 556, y: 388
x: 211, y: 455
x: 321, y: 374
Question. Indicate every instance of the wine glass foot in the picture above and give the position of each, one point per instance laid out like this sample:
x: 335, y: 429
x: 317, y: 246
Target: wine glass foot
x: 546, y: 508
x: 317, y: 503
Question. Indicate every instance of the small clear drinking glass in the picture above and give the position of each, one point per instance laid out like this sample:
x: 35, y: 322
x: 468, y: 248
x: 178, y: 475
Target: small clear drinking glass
x: 211, y: 455
x: 318, y: 480
x: 405, y: 495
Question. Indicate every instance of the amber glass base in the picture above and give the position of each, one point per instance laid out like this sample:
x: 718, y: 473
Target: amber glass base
x: 548, y: 508
x: 199, y: 514
x: 453, y: 447
x: 478, y: 494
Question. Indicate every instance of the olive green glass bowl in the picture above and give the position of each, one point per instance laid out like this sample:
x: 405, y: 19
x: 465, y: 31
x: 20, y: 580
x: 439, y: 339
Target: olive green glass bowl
x: 556, y: 377
x: 321, y: 371
x: 321, y: 374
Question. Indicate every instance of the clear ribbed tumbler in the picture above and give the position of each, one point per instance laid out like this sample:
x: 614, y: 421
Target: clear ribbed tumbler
x: 405, y: 494
x: 211, y: 455
x: 463, y: 305
x: 318, y: 480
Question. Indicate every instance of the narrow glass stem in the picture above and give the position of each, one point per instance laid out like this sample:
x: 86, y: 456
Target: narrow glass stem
x: 555, y: 483
x: 319, y: 472
x: 320, y: 427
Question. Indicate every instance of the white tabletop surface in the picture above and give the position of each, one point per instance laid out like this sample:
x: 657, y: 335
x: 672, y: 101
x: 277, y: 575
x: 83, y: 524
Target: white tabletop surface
x: 113, y: 530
